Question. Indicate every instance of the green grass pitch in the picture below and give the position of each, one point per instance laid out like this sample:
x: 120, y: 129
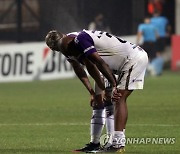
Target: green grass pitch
x: 53, y: 116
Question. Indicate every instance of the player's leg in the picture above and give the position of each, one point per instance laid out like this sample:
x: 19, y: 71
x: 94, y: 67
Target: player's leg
x: 121, y: 111
x: 120, y: 119
x: 132, y: 79
x: 121, y: 116
x: 109, y: 109
x: 97, y: 119
x: 103, y: 101
x: 97, y: 122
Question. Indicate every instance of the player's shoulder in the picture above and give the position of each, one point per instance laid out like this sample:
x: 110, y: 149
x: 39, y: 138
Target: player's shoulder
x: 65, y: 41
x: 83, y: 33
x: 83, y: 36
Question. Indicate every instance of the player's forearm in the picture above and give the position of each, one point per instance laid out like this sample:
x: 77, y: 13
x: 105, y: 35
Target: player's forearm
x: 102, y: 67
x: 81, y: 74
x: 105, y: 70
x: 94, y: 72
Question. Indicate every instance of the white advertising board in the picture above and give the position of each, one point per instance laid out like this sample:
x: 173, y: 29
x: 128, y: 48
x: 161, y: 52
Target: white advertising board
x: 32, y: 61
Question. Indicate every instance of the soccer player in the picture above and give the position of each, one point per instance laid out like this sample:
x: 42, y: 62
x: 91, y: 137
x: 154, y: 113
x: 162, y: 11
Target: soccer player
x: 103, y: 52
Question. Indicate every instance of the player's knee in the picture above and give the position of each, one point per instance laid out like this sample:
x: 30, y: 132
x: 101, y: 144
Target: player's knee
x: 108, y: 94
x: 123, y: 96
x: 107, y: 97
x: 107, y: 102
x: 124, y: 93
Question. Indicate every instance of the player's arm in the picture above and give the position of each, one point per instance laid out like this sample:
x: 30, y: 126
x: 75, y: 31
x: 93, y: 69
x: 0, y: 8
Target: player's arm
x: 81, y: 74
x: 94, y: 72
x: 103, y: 67
x: 139, y: 36
x: 85, y: 44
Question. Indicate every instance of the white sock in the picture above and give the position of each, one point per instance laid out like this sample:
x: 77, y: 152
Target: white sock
x: 124, y: 130
x: 119, y: 139
x: 110, y: 122
x: 97, y: 124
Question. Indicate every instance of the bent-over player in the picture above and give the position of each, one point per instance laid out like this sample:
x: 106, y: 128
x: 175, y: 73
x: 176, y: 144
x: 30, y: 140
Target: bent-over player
x: 103, y: 52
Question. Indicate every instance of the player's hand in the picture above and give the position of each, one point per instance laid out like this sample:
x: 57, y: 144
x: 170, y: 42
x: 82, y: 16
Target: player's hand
x: 92, y: 100
x: 116, y: 95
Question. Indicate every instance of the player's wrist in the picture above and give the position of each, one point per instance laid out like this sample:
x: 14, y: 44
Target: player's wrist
x: 114, y: 88
x: 91, y: 91
x: 114, y: 85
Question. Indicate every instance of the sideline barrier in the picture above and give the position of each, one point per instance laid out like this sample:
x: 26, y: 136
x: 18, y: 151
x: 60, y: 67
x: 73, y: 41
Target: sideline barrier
x: 175, y: 61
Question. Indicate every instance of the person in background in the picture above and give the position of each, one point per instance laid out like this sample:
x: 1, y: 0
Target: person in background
x: 164, y: 29
x: 149, y: 34
x: 99, y: 24
x: 162, y: 24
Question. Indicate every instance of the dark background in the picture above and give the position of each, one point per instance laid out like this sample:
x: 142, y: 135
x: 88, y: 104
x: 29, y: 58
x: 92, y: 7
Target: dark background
x: 122, y: 16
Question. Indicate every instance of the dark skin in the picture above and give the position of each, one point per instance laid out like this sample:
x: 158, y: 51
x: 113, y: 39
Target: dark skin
x: 121, y: 110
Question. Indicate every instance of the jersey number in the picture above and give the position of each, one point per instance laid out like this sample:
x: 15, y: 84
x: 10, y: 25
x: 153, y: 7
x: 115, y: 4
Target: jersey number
x: 109, y: 35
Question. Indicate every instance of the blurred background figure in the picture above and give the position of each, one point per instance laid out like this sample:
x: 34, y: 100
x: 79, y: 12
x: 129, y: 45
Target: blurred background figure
x: 155, y: 67
x: 99, y: 24
x: 164, y: 29
x: 148, y: 33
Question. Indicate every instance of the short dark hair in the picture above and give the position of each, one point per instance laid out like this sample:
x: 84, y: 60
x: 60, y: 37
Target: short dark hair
x: 52, y: 38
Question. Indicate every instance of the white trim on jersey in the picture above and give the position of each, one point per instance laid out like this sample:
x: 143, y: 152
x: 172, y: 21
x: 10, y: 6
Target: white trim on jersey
x: 87, y: 49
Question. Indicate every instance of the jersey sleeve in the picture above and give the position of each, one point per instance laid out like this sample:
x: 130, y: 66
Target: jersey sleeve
x: 85, y: 44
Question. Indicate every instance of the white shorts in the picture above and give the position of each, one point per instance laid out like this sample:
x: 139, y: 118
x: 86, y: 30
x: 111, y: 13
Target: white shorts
x: 131, y: 76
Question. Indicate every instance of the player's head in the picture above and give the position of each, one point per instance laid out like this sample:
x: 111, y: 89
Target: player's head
x: 147, y: 20
x: 52, y: 39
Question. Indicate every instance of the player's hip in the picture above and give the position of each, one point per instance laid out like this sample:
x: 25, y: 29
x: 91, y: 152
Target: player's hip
x: 137, y: 60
